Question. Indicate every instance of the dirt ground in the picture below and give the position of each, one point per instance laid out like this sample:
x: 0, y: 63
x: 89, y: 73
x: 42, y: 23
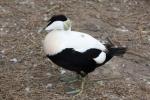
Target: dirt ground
x: 26, y: 74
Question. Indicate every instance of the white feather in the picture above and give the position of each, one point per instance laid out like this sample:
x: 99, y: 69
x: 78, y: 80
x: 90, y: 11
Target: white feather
x: 57, y: 25
x: 101, y: 58
x: 58, y: 40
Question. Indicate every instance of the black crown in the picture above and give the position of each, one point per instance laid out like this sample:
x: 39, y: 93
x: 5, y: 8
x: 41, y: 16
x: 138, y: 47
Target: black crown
x: 57, y: 18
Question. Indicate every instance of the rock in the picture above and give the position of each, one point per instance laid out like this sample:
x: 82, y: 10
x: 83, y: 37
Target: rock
x: 62, y: 71
x: 27, y: 89
x: 14, y: 60
x: 48, y: 86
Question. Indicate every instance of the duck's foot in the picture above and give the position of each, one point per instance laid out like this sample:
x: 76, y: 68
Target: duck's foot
x: 72, y: 91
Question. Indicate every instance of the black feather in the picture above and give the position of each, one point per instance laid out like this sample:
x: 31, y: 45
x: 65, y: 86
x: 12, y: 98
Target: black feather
x: 76, y: 61
x: 114, y: 51
x: 83, y: 62
x: 57, y: 18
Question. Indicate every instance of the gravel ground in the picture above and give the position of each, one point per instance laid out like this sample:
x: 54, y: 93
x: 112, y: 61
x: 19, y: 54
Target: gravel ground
x: 26, y: 74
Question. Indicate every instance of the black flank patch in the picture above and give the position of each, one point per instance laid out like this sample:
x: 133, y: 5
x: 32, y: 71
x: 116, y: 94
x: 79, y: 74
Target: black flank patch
x: 76, y: 61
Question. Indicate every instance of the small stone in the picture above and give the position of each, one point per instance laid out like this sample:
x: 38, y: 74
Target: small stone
x: 122, y: 29
x: 148, y: 38
x: 98, y: 16
x: 31, y: 77
x: 127, y: 79
x: 116, y: 9
x: 144, y: 80
x: 148, y: 83
x: 123, y: 65
x: 51, y: 3
x: 14, y: 60
x: 2, y: 51
x: 62, y: 71
x: 49, y: 74
x: 1, y: 29
x: 45, y: 17
x: 48, y: 86
x: 129, y: 85
x: 27, y: 89
x: 100, y: 0
x: 100, y: 83
x: 145, y: 32
x: 34, y: 65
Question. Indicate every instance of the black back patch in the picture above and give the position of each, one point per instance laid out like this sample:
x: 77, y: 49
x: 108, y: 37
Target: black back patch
x: 76, y: 61
x: 57, y: 18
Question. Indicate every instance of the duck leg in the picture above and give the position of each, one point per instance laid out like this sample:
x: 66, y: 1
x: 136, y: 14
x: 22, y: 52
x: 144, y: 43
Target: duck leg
x: 81, y: 88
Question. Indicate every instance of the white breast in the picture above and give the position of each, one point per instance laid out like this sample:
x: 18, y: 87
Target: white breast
x: 52, y: 43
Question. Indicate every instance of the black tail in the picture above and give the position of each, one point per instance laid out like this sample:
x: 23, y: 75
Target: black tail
x: 115, y: 51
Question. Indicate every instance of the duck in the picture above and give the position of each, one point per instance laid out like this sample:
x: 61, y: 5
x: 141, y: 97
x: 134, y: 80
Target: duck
x: 76, y: 51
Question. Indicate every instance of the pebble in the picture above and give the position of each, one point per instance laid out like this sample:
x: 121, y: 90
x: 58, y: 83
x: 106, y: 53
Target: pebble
x: 27, y: 89
x: 2, y: 54
x: 148, y: 83
x: 100, y: 0
x: 49, y: 74
x: 116, y: 9
x: 49, y: 86
x: 122, y: 29
x: 62, y: 71
x: 14, y: 60
x: 100, y: 83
